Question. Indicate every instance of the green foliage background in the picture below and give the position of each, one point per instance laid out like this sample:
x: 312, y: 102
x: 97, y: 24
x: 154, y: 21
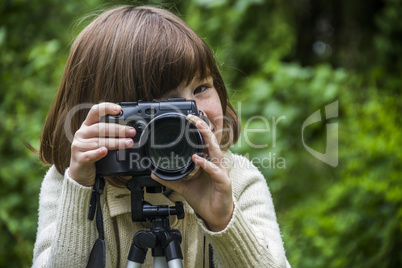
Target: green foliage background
x: 279, y: 58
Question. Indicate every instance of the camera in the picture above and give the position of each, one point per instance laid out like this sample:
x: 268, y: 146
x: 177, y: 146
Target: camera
x: 164, y: 143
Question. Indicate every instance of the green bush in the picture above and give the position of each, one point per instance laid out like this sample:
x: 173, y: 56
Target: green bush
x: 359, y: 224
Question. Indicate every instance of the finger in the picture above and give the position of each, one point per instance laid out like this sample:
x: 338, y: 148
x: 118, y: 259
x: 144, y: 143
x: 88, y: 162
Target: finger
x: 213, y: 170
x: 99, y: 110
x: 194, y: 119
x: 106, y: 130
x: 83, y: 145
x: 91, y: 156
x: 208, y: 136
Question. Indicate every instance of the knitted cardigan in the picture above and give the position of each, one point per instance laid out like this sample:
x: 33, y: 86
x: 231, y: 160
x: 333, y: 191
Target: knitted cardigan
x: 65, y: 236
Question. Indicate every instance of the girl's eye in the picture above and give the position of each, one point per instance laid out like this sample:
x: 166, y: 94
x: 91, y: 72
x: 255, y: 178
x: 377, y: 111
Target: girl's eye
x: 200, y: 89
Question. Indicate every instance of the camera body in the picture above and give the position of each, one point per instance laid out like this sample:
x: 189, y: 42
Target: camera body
x: 164, y: 142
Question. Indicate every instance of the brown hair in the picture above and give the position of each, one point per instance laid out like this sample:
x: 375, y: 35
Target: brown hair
x: 128, y: 54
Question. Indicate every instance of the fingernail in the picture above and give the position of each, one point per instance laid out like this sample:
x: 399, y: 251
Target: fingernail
x: 116, y: 108
x: 201, y: 124
x: 129, y: 142
x: 131, y: 132
x: 102, y: 150
x: 192, y: 118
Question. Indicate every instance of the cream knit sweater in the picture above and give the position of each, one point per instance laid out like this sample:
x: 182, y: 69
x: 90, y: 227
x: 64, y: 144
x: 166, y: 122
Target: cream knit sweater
x: 65, y: 235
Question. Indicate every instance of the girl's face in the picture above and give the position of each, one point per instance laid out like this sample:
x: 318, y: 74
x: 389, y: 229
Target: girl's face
x: 207, y: 99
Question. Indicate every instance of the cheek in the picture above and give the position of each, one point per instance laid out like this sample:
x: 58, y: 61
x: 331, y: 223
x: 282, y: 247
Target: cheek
x: 219, y: 129
x: 213, y: 110
x: 217, y: 118
x: 215, y: 115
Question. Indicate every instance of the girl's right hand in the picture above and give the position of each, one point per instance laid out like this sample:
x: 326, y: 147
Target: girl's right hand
x: 93, y: 140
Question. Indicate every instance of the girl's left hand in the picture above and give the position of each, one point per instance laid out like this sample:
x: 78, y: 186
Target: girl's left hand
x: 209, y: 192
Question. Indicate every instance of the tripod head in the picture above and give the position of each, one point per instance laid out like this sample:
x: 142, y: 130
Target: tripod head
x: 142, y: 211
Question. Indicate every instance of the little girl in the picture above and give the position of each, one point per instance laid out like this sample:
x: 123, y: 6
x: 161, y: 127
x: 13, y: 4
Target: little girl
x: 145, y: 53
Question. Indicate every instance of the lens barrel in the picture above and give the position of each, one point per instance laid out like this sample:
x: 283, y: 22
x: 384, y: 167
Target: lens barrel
x: 169, y: 141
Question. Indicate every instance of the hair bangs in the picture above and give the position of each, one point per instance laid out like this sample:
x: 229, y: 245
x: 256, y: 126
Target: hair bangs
x: 178, y: 55
x: 192, y: 59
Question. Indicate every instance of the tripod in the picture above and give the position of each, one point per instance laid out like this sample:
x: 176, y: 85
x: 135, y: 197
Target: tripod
x: 161, y: 238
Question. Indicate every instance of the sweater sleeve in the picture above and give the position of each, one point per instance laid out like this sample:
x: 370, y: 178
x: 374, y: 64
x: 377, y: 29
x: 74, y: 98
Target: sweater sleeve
x: 252, y: 238
x: 65, y: 236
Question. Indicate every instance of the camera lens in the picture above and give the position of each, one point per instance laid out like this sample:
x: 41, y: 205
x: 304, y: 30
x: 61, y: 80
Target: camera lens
x: 172, y: 140
x: 170, y: 149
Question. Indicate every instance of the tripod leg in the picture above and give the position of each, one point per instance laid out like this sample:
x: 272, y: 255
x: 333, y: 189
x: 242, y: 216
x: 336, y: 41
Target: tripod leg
x: 174, y: 255
x: 176, y: 263
x: 160, y: 262
x: 136, y: 256
x: 131, y: 264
